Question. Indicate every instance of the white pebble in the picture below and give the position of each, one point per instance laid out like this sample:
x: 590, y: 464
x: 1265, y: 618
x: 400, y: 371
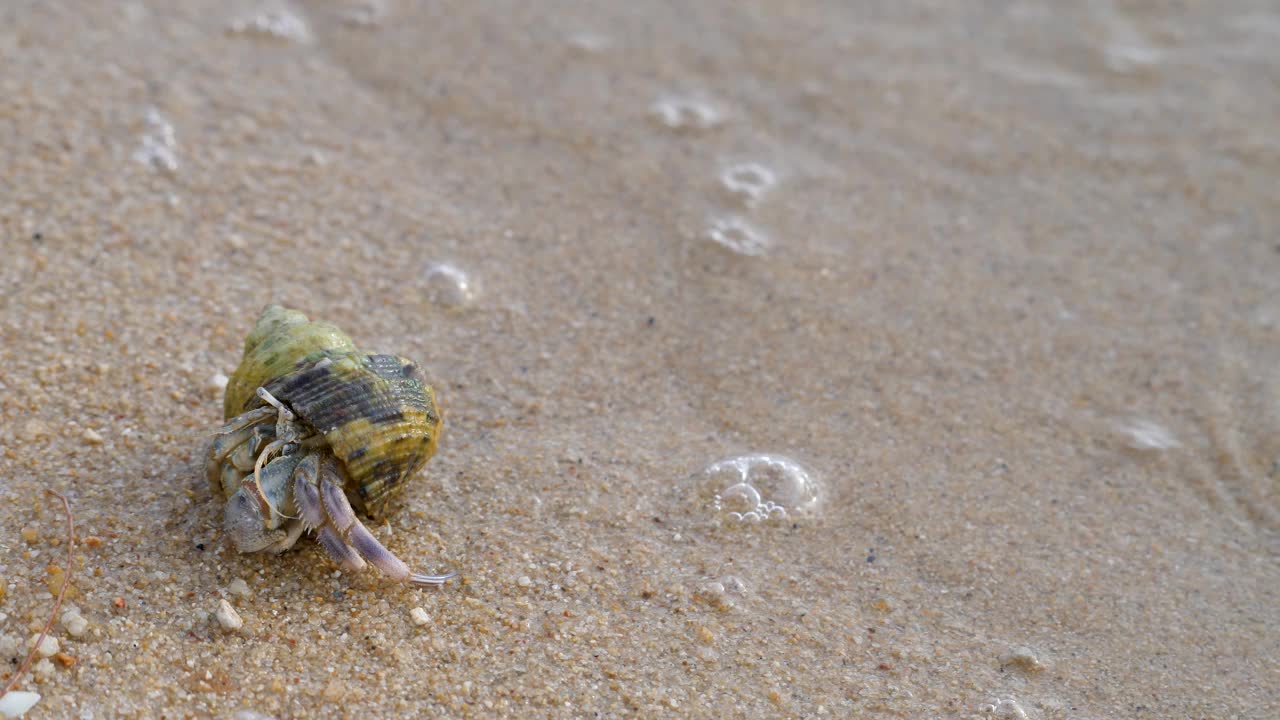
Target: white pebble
x: 47, y: 648
x: 218, y: 382
x: 227, y: 616
x: 1023, y: 658
x: 420, y: 617
x: 239, y: 588
x: 74, y: 622
x: 43, y: 670
x: 15, y: 704
x: 92, y: 437
x: 524, y: 581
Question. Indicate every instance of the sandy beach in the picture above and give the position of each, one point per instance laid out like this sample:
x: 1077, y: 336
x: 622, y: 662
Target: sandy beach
x: 799, y: 360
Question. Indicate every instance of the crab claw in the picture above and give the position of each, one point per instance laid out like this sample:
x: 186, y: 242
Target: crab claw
x: 244, y: 524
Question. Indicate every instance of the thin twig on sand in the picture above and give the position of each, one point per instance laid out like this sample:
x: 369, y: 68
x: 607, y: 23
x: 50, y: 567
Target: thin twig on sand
x: 57, y: 603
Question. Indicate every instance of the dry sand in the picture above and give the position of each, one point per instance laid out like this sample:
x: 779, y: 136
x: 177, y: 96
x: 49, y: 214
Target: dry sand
x: 1015, y: 302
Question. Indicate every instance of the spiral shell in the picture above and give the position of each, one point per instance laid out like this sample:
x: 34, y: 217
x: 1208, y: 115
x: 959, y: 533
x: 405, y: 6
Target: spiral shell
x: 373, y: 411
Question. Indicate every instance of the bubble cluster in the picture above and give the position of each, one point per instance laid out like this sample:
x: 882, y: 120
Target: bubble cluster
x: 761, y: 488
x: 588, y: 43
x: 682, y: 113
x: 1130, y: 58
x: 737, y: 235
x: 1022, y: 658
x: 448, y: 285
x: 721, y: 594
x: 274, y: 22
x: 1146, y: 435
x: 1005, y: 707
x: 365, y: 13
x: 748, y: 181
x: 159, y: 145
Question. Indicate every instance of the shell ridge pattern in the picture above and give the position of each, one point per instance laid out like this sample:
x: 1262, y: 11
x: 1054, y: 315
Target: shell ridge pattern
x: 373, y: 410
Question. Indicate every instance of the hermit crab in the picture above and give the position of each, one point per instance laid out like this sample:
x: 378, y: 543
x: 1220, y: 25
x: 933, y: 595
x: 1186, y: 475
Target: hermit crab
x: 314, y: 427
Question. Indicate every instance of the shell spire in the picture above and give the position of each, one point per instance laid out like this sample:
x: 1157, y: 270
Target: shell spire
x: 376, y: 414
x: 282, y: 341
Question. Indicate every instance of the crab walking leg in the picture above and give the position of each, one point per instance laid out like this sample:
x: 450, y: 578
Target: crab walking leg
x: 247, y: 419
x: 344, y: 520
x: 339, y: 550
x: 219, y: 450
x: 242, y: 458
x: 311, y: 509
x: 305, y: 494
x: 238, y: 431
x: 348, y: 525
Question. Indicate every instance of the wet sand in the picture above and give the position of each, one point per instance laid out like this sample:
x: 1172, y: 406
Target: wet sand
x: 1004, y: 281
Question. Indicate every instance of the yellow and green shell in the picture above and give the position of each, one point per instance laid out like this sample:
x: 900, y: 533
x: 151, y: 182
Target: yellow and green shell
x: 373, y: 411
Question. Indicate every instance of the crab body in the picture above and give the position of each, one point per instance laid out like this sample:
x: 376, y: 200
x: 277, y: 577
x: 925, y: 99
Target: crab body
x: 314, y: 427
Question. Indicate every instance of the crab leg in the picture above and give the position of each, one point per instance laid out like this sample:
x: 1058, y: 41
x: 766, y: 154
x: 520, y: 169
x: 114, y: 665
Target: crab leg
x: 348, y: 526
x: 311, y: 511
x: 339, y: 550
x: 231, y: 436
x: 247, y: 419
x: 305, y: 494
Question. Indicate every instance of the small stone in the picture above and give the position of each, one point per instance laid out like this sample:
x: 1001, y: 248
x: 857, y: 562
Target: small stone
x: 16, y: 703
x: 91, y: 542
x: 30, y: 535
x: 57, y: 577
x: 92, y: 437
x: 1022, y: 658
x: 43, y: 670
x: 9, y: 645
x: 236, y: 241
x: 227, y: 616
x: 76, y: 626
x: 334, y: 691
x: 74, y: 622
x: 47, y: 648
x: 714, y: 595
x: 65, y: 659
x: 705, y: 635
x: 218, y: 382
x: 239, y: 588
x: 420, y: 617
x: 34, y: 430
x: 524, y: 581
